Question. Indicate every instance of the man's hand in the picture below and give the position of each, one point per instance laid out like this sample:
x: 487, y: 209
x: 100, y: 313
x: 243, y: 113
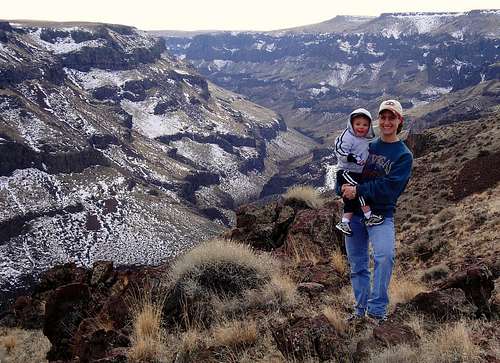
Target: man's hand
x: 348, y: 191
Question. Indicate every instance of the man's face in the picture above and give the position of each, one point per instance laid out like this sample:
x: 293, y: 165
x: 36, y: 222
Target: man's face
x: 360, y: 126
x: 388, y: 122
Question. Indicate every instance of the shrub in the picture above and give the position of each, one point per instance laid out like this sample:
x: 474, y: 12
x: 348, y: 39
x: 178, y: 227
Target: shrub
x: 304, y: 194
x: 299, y: 251
x: 335, y: 319
x: 451, y: 343
x: 399, y: 354
x: 215, y: 271
x: 147, y: 336
x: 339, y: 262
x: 435, y: 272
x: 402, y: 290
x: 234, y: 334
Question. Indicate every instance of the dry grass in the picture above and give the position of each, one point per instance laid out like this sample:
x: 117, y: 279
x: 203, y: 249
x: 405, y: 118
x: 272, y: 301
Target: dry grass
x: 192, y: 340
x: 402, y: 290
x: 417, y: 324
x: 306, y: 194
x: 279, y: 294
x: 339, y: 262
x: 449, y: 344
x: 300, y: 252
x: 336, y: 319
x: 21, y: 346
x: 219, y: 251
x: 148, y: 338
x: 399, y: 354
x: 9, y: 342
x: 234, y: 334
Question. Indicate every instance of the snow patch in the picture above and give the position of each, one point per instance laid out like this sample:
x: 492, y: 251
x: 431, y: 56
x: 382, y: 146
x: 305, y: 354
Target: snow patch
x: 148, y: 124
x: 339, y: 75
x: 435, y: 91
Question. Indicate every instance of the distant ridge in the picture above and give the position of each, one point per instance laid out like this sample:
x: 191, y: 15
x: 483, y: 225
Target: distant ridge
x: 376, y: 24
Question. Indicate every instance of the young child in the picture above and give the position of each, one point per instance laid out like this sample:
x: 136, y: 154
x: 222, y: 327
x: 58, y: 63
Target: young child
x: 351, y: 149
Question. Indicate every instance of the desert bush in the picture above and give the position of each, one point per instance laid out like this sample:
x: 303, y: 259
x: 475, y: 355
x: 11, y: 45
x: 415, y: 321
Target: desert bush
x: 216, y: 273
x: 445, y: 215
x: 300, y: 251
x: 402, y: 290
x: 336, y: 319
x: 398, y: 354
x: 234, y: 334
x: 435, y: 272
x: 449, y: 344
x: 339, y: 262
x: 304, y: 194
x: 148, y: 337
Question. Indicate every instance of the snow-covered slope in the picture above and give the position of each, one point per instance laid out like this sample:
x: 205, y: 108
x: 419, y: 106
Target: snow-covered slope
x: 112, y: 149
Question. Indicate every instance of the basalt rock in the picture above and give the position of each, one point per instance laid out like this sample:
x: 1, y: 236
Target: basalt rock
x: 444, y: 305
x: 477, y: 282
x: 390, y: 334
x: 305, y: 337
x: 66, y: 307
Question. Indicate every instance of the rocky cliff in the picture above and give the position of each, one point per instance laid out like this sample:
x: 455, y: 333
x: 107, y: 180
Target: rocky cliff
x: 112, y: 149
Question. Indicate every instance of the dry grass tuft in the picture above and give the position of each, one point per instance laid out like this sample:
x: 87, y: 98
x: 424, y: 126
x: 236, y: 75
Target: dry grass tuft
x: 402, y: 290
x: 9, y: 342
x: 435, y: 272
x: 280, y: 293
x: 336, y: 319
x: 306, y: 194
x: 399, y: 354
x: 234, y: 334
x: 300, y: 252
x: 21, y: 346
x: 451, y: 343
x: 339, y: 262
x: 148, y: 338
x: 191, y: 341
x: 221, y: 251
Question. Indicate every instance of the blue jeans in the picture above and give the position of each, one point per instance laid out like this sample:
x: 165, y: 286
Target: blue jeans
x: 372, y: 299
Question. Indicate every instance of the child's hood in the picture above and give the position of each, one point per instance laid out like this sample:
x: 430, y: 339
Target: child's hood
x: 362, y: 111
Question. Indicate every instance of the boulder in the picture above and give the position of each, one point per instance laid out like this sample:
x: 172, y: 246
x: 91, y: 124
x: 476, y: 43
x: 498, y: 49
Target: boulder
x: 450, y: 304
x: 303, y: 337
x: 477, y: 282
x: 66, y: 307
x: 101, y: 271
x: 391, y: 333
x: 99, y: 344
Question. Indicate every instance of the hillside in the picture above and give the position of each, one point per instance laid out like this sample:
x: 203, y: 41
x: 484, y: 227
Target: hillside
x: 314, y: 76
x: 287, y: 297
x: 112, y: 149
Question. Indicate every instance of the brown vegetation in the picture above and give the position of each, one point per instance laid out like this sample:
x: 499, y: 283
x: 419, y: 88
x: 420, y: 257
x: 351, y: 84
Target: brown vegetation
x: 304, y: 194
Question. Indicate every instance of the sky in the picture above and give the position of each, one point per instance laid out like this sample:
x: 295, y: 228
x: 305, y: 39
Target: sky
x: 220, y: 14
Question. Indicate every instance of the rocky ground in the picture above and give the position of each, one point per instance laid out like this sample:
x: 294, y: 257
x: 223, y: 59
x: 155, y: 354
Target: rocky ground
x: 287, y: 298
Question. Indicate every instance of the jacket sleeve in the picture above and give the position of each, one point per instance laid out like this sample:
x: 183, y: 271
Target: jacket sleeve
x: 343, y: 146
x: 388, y: 188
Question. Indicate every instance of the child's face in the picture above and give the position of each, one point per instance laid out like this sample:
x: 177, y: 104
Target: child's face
x: 360, y: 126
